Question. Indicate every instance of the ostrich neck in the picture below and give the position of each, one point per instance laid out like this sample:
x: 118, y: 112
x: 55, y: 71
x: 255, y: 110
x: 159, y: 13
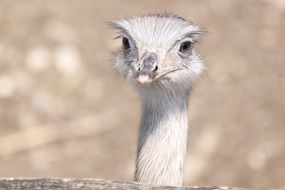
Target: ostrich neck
x: 163, y: 138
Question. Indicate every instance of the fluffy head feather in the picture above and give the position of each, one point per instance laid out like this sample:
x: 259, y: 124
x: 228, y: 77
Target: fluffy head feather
x: 169, y: 40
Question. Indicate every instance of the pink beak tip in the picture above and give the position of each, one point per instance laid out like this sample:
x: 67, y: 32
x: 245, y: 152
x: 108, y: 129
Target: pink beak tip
x: 144, y: 79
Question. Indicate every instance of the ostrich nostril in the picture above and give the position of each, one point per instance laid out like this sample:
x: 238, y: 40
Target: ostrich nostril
x: 155, y: 68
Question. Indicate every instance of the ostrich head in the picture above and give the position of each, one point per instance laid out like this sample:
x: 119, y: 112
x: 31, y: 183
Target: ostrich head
x: 158, y: 51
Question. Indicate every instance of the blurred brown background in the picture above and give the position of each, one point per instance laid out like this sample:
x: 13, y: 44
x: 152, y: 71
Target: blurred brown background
x: 64, y: 111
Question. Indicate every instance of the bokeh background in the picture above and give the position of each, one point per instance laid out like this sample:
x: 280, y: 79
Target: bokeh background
x: 65, y: 112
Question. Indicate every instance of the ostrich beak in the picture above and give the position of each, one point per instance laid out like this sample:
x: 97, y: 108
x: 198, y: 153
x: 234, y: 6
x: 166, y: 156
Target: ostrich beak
x: 147, y: 69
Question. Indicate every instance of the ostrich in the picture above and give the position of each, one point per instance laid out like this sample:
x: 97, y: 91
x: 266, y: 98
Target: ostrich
x: 158, y: 57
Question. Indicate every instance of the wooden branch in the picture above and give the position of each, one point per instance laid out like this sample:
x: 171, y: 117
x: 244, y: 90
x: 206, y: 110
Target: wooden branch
x: 87, y: 184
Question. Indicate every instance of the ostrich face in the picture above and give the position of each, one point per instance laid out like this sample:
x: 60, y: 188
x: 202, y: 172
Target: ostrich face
x: 158, y: 49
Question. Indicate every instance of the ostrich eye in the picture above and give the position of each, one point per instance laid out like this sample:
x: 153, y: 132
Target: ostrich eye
x: 126, y: 43
x: 185, y: 47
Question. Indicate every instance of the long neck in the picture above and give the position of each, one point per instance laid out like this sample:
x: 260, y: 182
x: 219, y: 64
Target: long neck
x: 163, y: 138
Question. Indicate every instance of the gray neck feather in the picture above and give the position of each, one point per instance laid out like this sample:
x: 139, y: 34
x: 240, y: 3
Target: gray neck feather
x: 163, y: 137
